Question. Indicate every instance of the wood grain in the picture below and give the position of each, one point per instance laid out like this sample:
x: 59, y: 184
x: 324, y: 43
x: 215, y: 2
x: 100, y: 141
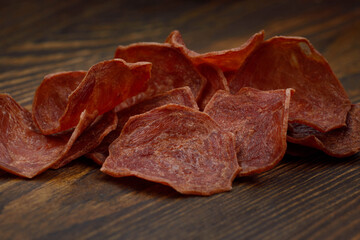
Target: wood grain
x: 316, y: 197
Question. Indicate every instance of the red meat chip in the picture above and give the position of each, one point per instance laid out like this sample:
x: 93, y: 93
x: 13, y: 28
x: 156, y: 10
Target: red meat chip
x: 90, y: 139
x: 176, y: 146
x: 227, y: 60
x: 24, y: 151
x: 105, y: 85
x: 259, y: 121
x: 215, y: 81
x: 180, y: 96
x: 341, y: 142
x: 320, y: 100
x: 53, y: 93
x: 170, y: 68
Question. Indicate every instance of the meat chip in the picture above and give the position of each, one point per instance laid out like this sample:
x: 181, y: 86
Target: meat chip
x: 215, y: 81
x: 170, y: 68
x: 53, y: 93
x: 180, y: 96
x: 227, y: 60
x: 320, y: 100
x: 104, y: 86
x: 259, y: 121
x: 341, y: 142
x: 24, y: 151
x: 176, y: 146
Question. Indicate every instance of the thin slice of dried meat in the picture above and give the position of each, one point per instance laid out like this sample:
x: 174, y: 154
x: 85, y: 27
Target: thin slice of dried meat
x: 215, y: 81
x: 105, y: 85
x: 320, y: 100
x: 176, y: 146
x: 180, y: 96
x: 170, y: 68
x: 23, y: 150
x: 341, y: 142
x: 52, y: 95
x: 259, y: 120
x: 89, y: 139
x: 227, y: 60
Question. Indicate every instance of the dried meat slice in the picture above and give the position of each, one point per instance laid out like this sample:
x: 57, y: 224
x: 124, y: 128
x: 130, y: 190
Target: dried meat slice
x: 105, y: 85
x: 215, y: 81
x: 180, y: 96
x: 170, y: 68
x: 53, y: 93
x: 259, y: 120
x: 176, y: 146
x: 23, y: 150
x: 227, y: 60
x: 341, y: 142
x: 26, y: 152
x: 90, y: 139
x: 320, y: 100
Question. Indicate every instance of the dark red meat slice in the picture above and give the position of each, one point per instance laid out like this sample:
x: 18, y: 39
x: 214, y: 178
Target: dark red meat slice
x: 320, y: 100
x: 170, y: 69
x: 181, y: 96
x: 259, y: 120
x: 176, y: 146
x: 341, y: 142
x: 53, y: 93
x: 226, y: 60
x: 105, y: 85
x: 215, y: 81
x: 90, y: 139
x: 24, y: 151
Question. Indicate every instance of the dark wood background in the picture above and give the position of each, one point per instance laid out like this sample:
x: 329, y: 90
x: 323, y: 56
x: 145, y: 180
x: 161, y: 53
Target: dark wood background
x: 313, y: 197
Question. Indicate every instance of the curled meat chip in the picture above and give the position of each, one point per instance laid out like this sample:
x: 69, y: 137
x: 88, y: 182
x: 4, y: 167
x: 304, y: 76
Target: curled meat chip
x: 180, y: 96
x: 259, y: 120
x: 320, y: 100
x: 105, y: 85
x: 176, y: 146
x: 215, y: 81
x: 53, y: 93
x: 24, y: 151
x: 170, y: 68
x: 227, y: 60
x: 341, y: 142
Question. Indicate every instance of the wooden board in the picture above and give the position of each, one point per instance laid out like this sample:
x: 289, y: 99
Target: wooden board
x: 315, y: 197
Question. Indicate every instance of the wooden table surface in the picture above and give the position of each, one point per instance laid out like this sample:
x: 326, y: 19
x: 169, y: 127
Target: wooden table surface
x: 316, y: 197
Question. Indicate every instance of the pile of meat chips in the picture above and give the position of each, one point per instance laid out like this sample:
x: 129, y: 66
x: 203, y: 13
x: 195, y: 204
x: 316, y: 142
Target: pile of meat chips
x: 194, y: 122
